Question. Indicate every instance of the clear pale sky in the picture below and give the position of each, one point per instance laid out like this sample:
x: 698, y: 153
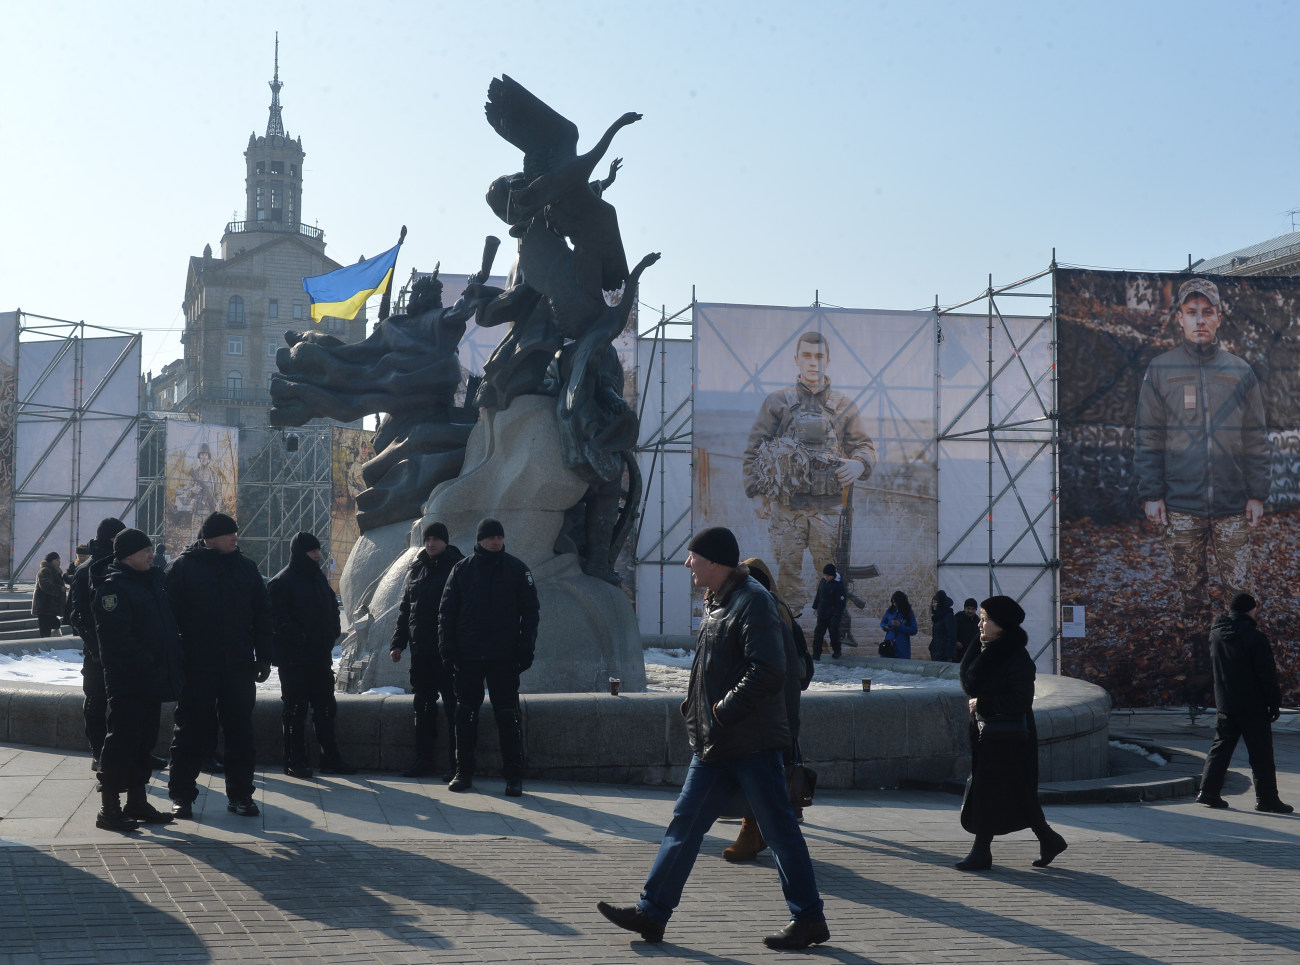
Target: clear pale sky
x: 877, y: 153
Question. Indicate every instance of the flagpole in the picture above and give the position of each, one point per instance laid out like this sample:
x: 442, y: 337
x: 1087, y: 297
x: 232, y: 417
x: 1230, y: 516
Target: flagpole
x: 388, y: 292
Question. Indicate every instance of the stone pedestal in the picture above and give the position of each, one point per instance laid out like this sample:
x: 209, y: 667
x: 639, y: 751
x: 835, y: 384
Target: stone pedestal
x: 514, y: 472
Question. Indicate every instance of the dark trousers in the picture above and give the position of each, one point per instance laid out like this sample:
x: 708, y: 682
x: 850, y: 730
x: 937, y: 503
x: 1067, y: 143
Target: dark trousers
x: 819, y: 634
x: 430, y: 679
x: 303, y: 687
x: 94, y: 708
x: 206, y: 699
x: 1258, y: 734
x: 48, y: 624
x: 125, y: 760
x: 503, y: 691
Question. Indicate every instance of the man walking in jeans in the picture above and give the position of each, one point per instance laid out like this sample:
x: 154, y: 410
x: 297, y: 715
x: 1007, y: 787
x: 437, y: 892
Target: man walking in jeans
x: 736, y: 721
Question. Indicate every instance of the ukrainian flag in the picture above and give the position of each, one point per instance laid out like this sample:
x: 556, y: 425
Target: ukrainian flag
x: 341, y: 293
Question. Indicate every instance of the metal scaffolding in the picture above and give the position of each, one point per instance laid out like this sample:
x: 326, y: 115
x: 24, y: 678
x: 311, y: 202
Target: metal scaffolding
x: 283, y: 491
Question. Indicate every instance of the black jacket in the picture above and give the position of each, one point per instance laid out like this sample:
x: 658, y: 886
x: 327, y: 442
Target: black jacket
x: 51, y: 592
x: 943, y: 629
x: 739, y: 666
x: 81, y: 597
x: 489, y: 611
x: 417, y: 617
x: 828, y: 601
x: 222, y: 610
x: 1245, y: 677
x: 968, y: 631
x: 1003, y: 792
x: 306, y: 613
x: 137, y: 634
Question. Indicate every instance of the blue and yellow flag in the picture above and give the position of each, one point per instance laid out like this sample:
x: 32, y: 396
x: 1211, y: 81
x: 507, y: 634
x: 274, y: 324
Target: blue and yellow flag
x: 341, y: 293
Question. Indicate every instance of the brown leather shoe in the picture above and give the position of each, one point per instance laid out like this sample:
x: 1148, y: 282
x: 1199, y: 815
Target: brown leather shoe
x: 749, y: 843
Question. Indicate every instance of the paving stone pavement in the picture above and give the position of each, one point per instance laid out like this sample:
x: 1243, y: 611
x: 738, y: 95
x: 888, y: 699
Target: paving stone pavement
x: 382, y: 869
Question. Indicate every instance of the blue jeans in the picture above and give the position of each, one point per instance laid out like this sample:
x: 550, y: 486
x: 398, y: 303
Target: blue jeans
x: 708, y: 789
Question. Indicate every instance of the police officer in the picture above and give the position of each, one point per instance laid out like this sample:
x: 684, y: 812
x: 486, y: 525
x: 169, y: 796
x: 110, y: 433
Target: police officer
x: 94, y: 707
x: 306, y: 629
x: 224, y: 616
x: 142, y: 668
x: 487, y: 630
x: 417, y: 625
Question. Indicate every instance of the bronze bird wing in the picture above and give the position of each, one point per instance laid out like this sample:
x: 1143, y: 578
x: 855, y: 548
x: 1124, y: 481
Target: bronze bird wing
x: 548, y: 139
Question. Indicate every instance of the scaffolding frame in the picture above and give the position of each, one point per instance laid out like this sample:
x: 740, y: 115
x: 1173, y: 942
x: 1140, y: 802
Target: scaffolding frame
x: 1023, y: 549
x: 283, y: 492
x: 72, y: 419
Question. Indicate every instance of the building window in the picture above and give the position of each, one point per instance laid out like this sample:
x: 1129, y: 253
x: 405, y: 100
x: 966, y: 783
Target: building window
x: 235, y: 311
x: 271, y: 347
x: 277, y: 167
x: 235, y: 380
x: 293, y: 170
x: 261, y: 167
x: 234, y: 345
x: 273, y: 308
x: 297, y: 308
x: 275, y: 197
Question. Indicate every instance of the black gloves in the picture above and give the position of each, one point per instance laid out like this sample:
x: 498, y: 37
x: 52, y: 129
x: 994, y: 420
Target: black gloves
x: 522, y: 664
x: 1274, y: 713
x: 262, y: 671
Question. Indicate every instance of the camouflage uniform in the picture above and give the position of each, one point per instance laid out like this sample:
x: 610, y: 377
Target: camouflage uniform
x: 798, y: 441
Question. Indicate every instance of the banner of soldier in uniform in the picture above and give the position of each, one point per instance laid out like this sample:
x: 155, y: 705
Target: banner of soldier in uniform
x: 1179, y: 451
x: 202, y: 478
x: 8, y: 409
x: 814, y: 443
x: 350, y: 449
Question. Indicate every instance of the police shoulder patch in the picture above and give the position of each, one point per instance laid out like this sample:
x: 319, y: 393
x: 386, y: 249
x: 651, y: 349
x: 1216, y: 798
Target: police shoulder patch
x: 528, y: 575
x: 109, y: 602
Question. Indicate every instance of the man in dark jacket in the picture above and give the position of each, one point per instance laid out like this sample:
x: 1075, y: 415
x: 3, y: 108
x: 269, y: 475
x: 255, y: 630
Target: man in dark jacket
x: 828, y: 603
x: 224, y: 616
x: 306, y: 628
x: 487, y: 629
x: 94, y: 707
x: 736, y: 721
x: 968, y: 627
x: 50, y: 596
x: 417, y: 625
x: 943, y: 628
x: 1247, y: 699
x: 142, y: 668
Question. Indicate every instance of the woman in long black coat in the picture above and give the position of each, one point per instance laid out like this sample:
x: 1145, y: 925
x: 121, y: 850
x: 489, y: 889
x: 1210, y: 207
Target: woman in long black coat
x: 1002, y: 796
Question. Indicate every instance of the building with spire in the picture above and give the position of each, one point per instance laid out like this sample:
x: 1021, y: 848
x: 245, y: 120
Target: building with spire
x: 238, y: 305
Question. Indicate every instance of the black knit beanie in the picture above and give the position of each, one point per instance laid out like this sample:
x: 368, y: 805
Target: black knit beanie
x: 488, y: 527
x: 218, y: 524
x: 1242, y: 603
x: 1003, y: 611
x: 718, y: 545
x: 129, y: 541
x: 303, y: 543
x: 108, y: 528
x: 439, y: 531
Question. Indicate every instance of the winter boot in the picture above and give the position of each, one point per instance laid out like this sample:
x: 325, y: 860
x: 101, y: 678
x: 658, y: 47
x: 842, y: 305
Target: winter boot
x: 139, y: 809
x: 466, y: 745
x: 980, y: 857
x: 331, y: 761
x: 1050, y: 844
x: 510, y: 734
x: 749, y: 843
x: 295, y: 747
x: 110, y: 817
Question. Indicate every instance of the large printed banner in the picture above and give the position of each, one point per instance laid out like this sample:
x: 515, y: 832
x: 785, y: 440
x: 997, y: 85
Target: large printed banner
x: 8, y: 408
x: 202, y: 478
x: 814, y: 443
x: 1180, y: 474
x: 350, y: 449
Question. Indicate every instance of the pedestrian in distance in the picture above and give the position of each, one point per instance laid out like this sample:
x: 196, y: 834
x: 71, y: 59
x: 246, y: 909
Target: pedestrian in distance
x: 737, y: 725
x: 306, y: 628
x: 1002, y: 793
x: 81, y: 597
x: 50, y: 595
x: 141, y: 656
x: 1247, y: 700
x: 224, y: 617
x: 943, y: 628
x: 417, y: 627
x: 828, y: 604
x: 899, y: 624
x: 487, y: 633
x: 968, y: 627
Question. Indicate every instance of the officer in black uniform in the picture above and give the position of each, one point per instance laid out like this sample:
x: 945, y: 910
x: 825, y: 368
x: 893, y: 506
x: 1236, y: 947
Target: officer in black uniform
x: 142, y: 668
x: 80, y: 597
x: 487, y: 630
x: 417, y: 625
x: 306, y: 629
x: 224, y: 616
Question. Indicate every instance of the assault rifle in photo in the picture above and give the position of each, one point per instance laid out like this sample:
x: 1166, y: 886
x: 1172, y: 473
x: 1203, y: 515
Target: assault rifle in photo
x: 848, y: 572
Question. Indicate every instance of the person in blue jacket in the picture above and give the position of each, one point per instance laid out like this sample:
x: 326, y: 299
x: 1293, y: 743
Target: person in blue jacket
x: 899, y: 624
